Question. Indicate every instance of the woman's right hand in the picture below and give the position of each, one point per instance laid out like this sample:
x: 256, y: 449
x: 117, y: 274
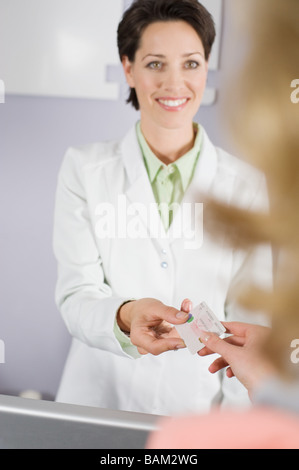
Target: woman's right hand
x: 240, y: 353
x: 150, y: 325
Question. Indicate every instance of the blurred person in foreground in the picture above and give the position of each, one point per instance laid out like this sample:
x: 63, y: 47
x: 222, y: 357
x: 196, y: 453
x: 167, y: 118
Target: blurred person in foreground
x: 265, y: 121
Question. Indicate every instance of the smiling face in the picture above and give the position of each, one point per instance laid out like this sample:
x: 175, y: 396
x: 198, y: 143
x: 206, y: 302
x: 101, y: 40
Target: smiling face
x: 169, y: 74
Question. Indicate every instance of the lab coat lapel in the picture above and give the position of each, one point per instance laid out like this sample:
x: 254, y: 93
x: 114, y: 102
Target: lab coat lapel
x: 139, y: 191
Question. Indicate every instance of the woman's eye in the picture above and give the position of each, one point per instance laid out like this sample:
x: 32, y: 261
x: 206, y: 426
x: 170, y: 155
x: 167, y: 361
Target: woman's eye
x: 191, y: 64
x: 155, y: 65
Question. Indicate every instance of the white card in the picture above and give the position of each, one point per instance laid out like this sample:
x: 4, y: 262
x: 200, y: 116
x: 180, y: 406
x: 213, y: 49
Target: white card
x: 201, y: 318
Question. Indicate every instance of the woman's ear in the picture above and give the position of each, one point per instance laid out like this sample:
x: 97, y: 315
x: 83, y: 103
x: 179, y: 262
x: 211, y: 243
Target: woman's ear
x: 128, y: 66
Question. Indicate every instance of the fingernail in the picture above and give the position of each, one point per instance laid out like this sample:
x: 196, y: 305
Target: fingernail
x: 181, y: 315
x: 204, y: 336
x: 180, y: 346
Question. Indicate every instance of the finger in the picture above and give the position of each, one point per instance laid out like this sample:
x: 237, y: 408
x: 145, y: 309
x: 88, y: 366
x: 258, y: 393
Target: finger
x: 217, y: 365
x: 172, y: 315
x: 148, y: 344
x: 142, y: 351
x: 237, y: 328
x: 217, y: 345
x: 229, y: 373
x: 233, y: 340
x: 205, y: 352
x: 186, y: 306
x: 173, y: 334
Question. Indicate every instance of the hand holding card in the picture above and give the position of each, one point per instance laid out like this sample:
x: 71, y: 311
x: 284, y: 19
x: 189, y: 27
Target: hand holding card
x: 201, y: 318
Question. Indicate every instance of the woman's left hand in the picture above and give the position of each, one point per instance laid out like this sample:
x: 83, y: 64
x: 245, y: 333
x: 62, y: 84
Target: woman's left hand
x: 240, y: 353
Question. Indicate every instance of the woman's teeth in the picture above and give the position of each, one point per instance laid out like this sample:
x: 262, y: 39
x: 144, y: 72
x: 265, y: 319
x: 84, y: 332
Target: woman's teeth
x: 173, y: 103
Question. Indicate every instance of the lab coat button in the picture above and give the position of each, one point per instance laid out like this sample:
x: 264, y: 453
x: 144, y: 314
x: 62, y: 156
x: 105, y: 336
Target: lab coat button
x: 164, y: 252
x: 164, y: 265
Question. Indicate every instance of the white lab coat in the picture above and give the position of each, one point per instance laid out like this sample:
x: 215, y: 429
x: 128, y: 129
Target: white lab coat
x: 96, y: 274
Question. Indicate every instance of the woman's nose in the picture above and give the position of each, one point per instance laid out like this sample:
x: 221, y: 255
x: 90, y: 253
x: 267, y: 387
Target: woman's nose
x: 173, y: 80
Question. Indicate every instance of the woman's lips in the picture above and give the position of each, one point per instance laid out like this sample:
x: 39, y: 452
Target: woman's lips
x: 171, y: 104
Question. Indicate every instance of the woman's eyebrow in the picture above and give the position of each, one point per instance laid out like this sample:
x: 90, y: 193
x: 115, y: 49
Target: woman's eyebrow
x: 161, y: 56
x: 193, y: 53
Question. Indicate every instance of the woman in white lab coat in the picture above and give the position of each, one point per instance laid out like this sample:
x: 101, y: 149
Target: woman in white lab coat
x: 129, y: 234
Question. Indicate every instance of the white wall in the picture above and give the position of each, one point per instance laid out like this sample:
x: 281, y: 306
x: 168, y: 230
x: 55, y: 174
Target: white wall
x: 65, y: 48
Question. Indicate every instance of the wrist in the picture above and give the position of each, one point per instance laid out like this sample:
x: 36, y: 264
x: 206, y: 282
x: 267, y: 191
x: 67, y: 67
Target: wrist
x: 123, y: 316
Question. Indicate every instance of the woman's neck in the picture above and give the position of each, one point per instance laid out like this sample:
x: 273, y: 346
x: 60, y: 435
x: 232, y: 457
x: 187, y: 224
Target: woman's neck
x: 169, y: 144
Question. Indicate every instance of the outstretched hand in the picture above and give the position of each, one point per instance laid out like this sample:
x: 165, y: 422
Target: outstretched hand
x: 240, y: 353
x: 150, y: 324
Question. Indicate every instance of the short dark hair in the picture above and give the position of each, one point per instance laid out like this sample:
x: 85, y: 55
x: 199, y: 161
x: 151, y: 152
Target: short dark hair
x: 142, y: 13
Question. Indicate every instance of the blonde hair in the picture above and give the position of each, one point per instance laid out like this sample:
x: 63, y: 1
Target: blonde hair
x: 264, y: 124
